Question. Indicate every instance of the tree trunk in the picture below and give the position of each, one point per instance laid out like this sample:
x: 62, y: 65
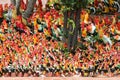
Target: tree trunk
x: 65, y: 29
x: 76, y: 30
x: 70, y: 35
x: 30, y: 7
x: 26, y: 2
x: 18, y: 3
x: 13, y: 2
x: 71, y: 38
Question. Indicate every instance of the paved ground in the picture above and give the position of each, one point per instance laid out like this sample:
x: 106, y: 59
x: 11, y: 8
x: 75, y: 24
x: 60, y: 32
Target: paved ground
x: 58, y: 78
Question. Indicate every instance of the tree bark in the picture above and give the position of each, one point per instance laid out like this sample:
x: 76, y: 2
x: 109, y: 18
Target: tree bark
x: 29, y: 11
x: 26, y: 2
x: 18, y: 3
x: 65, y: 29
x: 76, y: 30
x: 13, y: 2
x: 70, y: 35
